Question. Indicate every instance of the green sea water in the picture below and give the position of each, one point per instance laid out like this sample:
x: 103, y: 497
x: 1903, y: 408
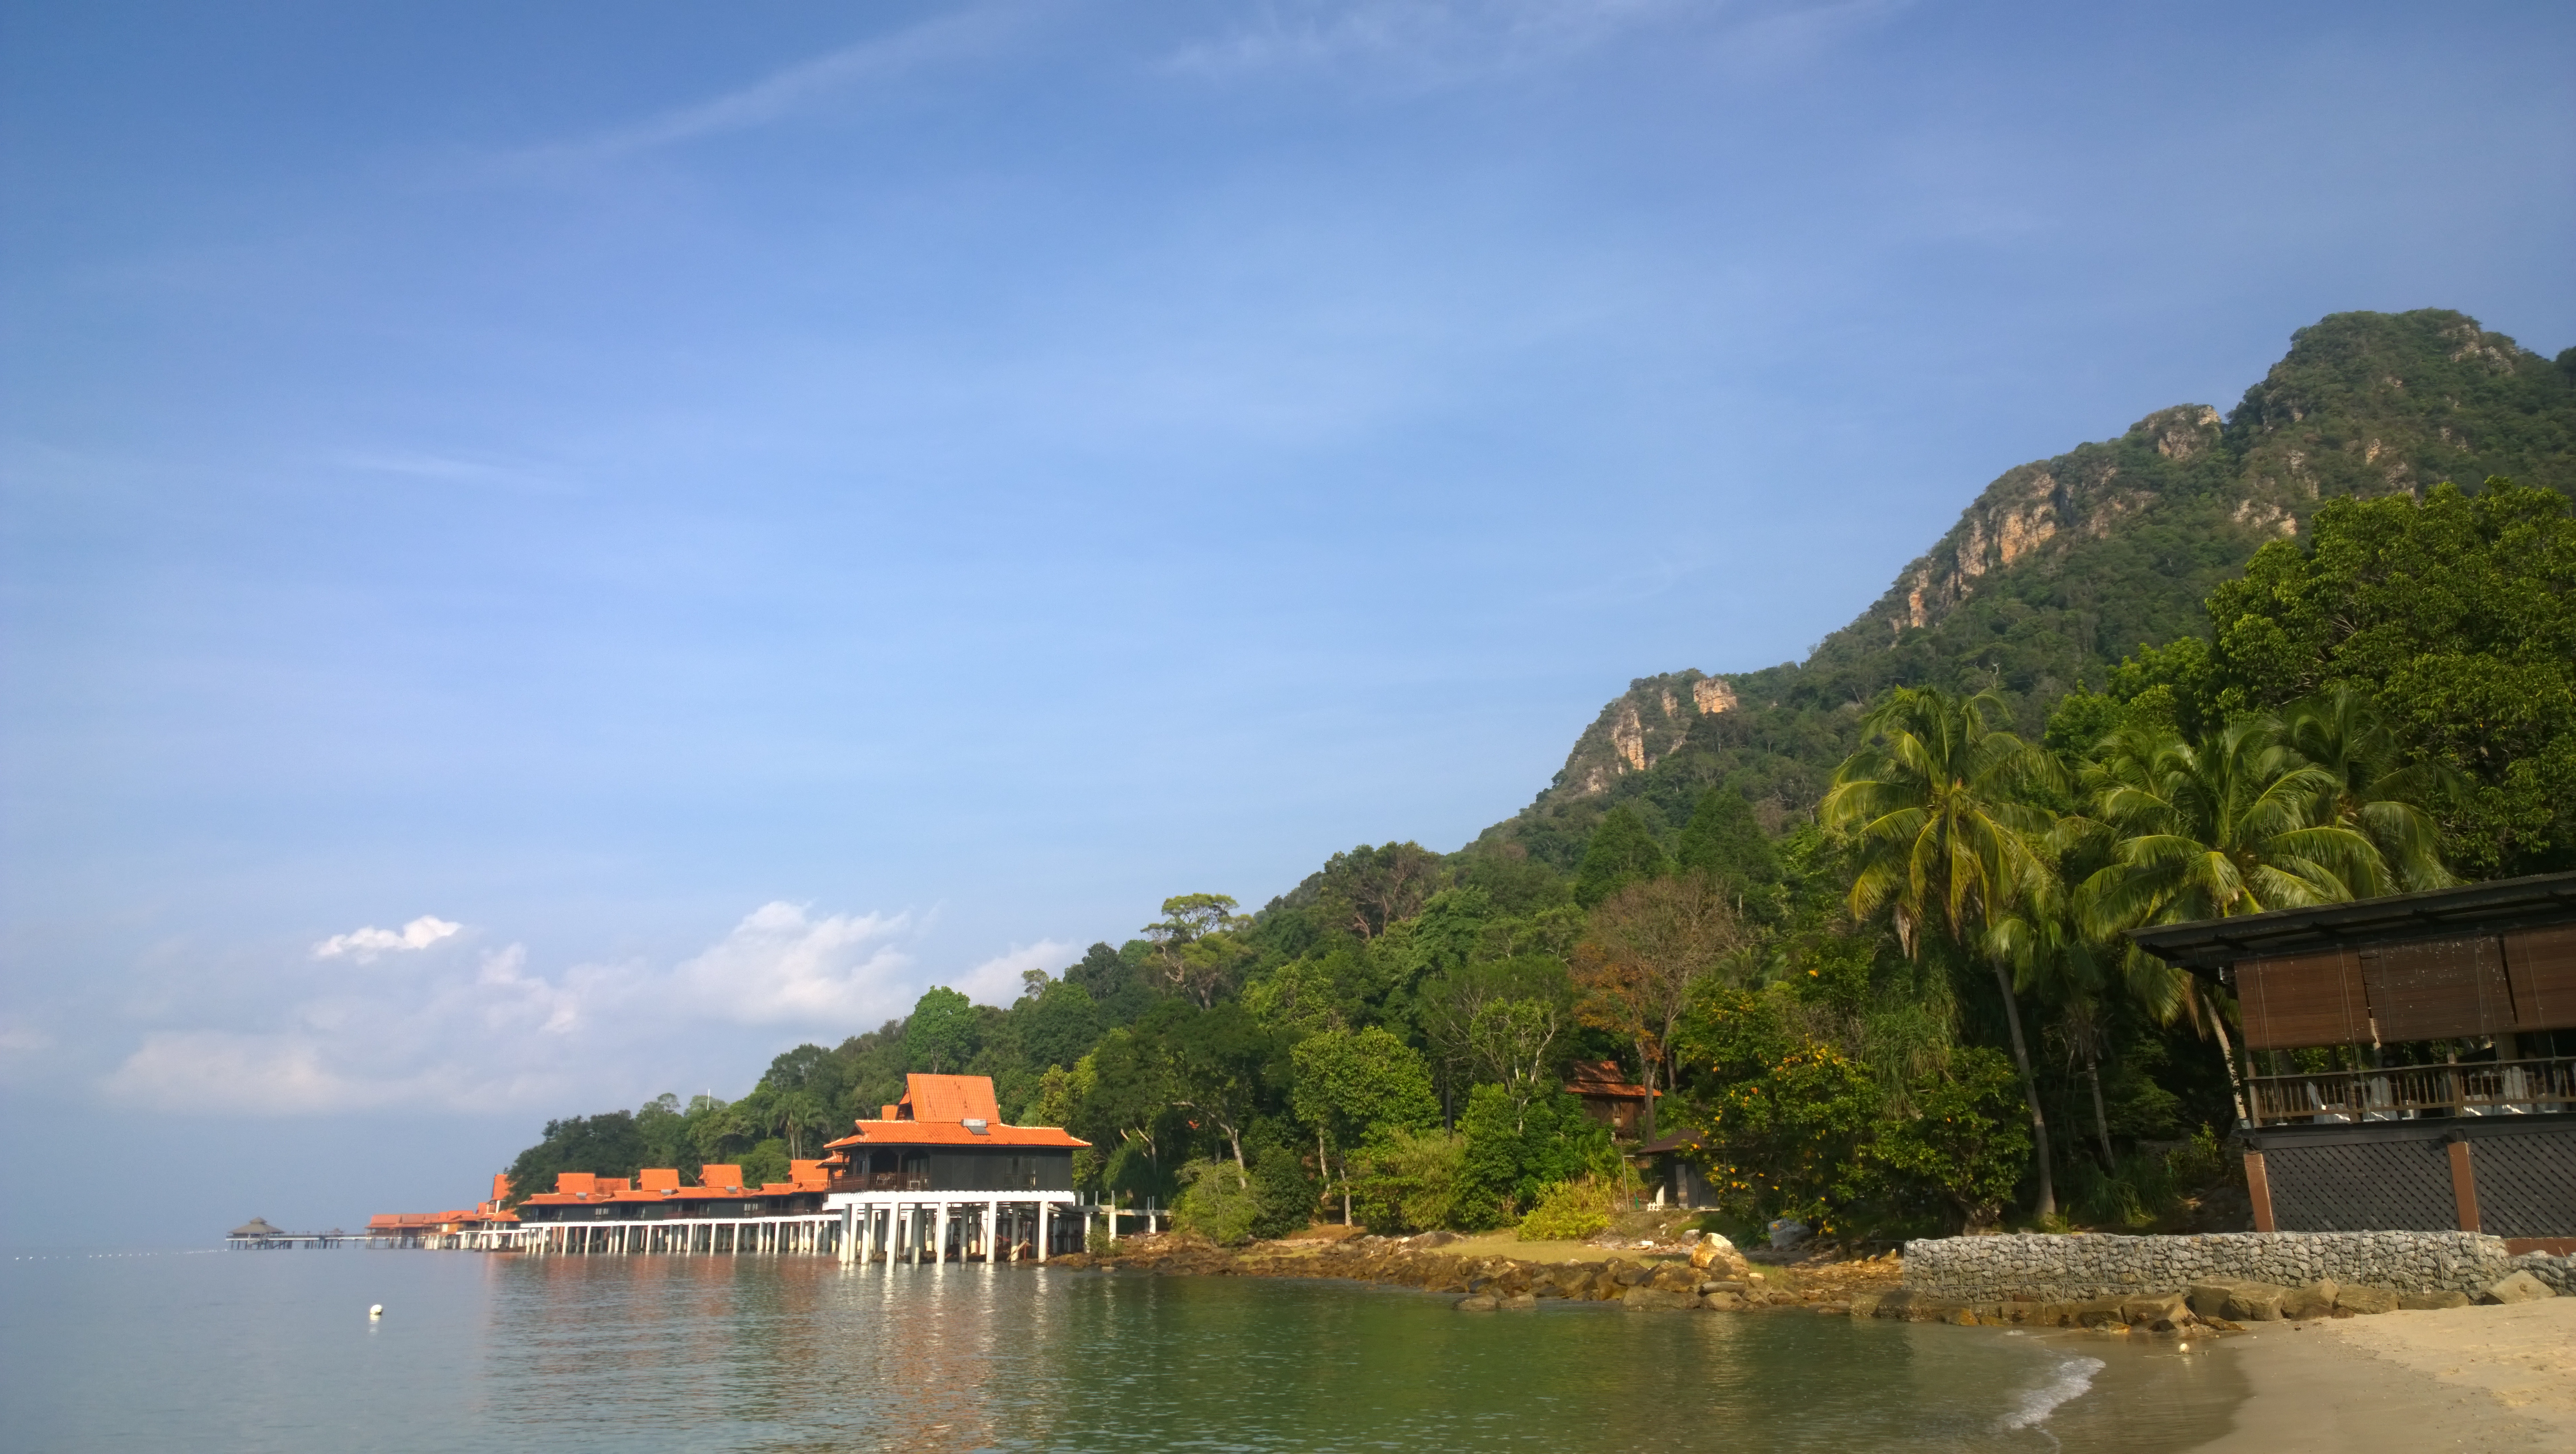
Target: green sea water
x: 274, y: 1351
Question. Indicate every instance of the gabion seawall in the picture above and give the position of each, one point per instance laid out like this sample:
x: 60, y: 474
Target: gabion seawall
x: 2051, y: 1269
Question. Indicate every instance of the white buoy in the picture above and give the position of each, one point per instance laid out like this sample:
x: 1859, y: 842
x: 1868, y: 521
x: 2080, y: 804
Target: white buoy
x: 376, y: 1310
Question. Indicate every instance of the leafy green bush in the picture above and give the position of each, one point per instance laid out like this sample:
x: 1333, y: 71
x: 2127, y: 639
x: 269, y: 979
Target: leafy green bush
x: 1285, y: 1193
x: 1217, y: 1202
x: 1570, y: 1211
x: 1408, y: 1181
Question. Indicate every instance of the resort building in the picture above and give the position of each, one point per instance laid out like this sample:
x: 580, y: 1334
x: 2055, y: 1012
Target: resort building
x: 1607, y: 1095
x: 937, y: 1177
x: 2411, y: 1060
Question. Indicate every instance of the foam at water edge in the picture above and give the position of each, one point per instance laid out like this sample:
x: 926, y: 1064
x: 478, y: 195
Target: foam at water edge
x: 2070, y: 1380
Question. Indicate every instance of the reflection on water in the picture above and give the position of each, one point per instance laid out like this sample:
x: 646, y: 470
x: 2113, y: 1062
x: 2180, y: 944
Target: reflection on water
x: 272, y: 1351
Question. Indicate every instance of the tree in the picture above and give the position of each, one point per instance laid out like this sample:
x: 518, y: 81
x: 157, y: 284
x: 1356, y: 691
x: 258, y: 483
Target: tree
x: 943, y: 1032
x: 1449, y: 1006
x: 1223, y: 1065
x: 1623, y: 850
x: 1649, y: 944
x: 1366, y: 889
x: 1939, y: 806
x: 1355, y: 1087
x: 1723, y: 841
x: 2454, y: 614
x: 1060, y: 1023
x: 2236, y: 824
x: 1196, y: 945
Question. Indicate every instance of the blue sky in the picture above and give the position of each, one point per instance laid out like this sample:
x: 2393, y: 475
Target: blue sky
x: 550, y: 556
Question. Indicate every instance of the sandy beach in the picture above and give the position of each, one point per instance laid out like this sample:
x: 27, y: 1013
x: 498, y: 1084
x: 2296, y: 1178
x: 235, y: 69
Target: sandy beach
x: 2476, y: 1379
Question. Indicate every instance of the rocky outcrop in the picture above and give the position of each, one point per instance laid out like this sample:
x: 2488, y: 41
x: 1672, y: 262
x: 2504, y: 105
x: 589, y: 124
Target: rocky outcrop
x: 1643, y: 726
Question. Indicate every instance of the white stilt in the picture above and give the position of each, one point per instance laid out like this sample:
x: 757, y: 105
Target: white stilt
x: 1044, y: 1227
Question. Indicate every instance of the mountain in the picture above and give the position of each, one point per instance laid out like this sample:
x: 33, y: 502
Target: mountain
x: 2062, y: 566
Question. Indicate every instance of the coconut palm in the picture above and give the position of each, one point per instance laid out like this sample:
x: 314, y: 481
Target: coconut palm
x: 1941, y: 809
x: 2237, y: 823
x: 2376, y: 791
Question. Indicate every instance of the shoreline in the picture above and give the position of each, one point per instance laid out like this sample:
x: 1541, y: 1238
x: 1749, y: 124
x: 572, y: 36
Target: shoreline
x: 2476, y: 1379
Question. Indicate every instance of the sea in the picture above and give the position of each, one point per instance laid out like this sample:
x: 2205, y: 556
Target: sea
x: 275, y: 1352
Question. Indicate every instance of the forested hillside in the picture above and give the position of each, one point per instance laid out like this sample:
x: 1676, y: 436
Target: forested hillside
x: 2291, y: 607
x: 2064, y: 566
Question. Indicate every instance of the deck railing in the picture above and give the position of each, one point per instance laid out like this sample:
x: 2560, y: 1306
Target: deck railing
x: 2485, y: 1088
x: 883, y: 1181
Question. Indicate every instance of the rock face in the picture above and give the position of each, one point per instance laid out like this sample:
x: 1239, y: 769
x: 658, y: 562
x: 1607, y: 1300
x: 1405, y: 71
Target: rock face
x: 1976, y: 1269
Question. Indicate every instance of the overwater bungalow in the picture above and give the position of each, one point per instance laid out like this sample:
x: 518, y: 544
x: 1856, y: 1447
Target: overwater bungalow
x: 938, y: 1176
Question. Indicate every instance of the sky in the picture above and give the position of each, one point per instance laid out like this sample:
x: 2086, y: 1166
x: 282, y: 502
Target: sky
x: 551, y: 553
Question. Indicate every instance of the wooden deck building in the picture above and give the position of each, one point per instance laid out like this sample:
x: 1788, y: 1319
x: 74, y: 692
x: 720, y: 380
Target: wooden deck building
x: 2411, y: 1060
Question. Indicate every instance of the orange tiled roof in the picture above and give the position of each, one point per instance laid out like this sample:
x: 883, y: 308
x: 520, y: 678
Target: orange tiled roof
x: 950, y: 1098
x: 951, y: 1133
x: 1601, y: 1078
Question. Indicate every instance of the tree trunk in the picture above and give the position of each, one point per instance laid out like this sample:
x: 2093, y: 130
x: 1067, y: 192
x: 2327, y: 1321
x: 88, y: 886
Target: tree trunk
x: 2047, y: 1207
x: 2227, y: 1052
x: 2101, y: 1123
x: 1648, y: 1062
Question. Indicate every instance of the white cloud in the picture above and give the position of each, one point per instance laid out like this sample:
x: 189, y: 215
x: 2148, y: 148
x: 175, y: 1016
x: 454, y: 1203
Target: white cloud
x: 778, y: 965
x: 997, y: 980
x: 363, y: 945
x: 493, y: 1031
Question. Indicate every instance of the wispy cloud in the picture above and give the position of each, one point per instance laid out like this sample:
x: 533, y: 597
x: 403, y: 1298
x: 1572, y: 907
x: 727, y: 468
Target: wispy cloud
x: 802, y: 88
x: 364, y: 945
x: 1450, y: 42
x: 1428, y: 40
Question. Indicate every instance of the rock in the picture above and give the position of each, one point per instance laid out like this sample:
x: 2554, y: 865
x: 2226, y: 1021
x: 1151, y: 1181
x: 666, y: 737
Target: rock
x: 1632, y: 1274
x: 1838, y: 1310
x: 1675, y: 1279
x: 2255, y: 1302
x: 1862, y: 1305
x: 1727, y: 1302
x: 2426, y: 1301
x: 1732, y: 1285
x: 2169, y: 1308
x: 2315, y: 1300
x: 2209, y: 1299
x: 2100, y: 1312
x: 2521, y: 1287
x: 2359, y: 1299
x: 1656, y: 1299
x: 1434, y: 1239
x: 1477, y: 1304
x: 1716, y: 1254
x: 1520, y: 1302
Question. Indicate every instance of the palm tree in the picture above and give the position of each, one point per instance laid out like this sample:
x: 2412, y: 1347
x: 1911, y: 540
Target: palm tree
x: 2042, y: 937
x: 2236, y: 823
x: 2375, y: 789
x: 1939, y: 807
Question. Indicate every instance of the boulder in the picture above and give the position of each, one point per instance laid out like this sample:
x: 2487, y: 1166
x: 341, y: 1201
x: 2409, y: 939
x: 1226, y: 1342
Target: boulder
x: 1477, y: 1304
x: 2521, y: 1287
x: 1716, y: 1255
x: 2426, y: 1301
x: 2101, y: 1312
x: 1723, y: 1285
x: 2209, y: 1299
x: 1631, y: 1274
x: 2316, y: 1300
x: 1675, y: 1278
x: 2168, y: 1308
x: 2254, y: 1302
x: 2359, y: 1299
x: 1520, y: 1302
x: 1656, y: 1299
x: 1727, y: 1302
x: 1863, y: 1305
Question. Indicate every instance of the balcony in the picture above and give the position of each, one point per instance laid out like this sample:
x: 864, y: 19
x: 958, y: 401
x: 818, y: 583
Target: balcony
x: 883, y: 1181
x: 2486, y: 1088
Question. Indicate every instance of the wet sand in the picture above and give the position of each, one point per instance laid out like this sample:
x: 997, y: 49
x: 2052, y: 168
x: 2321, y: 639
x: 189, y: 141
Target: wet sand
x: 2470, y: 1379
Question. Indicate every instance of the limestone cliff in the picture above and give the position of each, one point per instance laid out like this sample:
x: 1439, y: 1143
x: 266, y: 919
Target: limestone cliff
x: 2061, y: 566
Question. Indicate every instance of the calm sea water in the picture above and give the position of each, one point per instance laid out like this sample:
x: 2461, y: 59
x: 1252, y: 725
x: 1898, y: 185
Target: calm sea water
x: 273, y: 1351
